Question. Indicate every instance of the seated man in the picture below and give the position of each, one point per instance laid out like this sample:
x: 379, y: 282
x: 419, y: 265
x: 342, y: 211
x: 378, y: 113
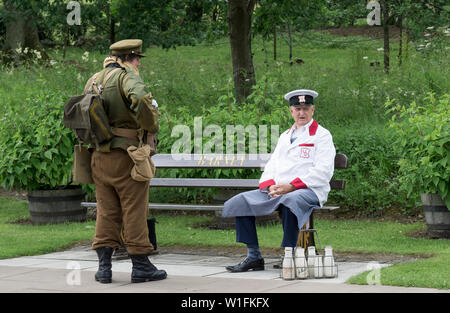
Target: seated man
x: 295, y: 180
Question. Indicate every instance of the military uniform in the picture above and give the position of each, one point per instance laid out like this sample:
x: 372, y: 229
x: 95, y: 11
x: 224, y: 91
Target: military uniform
x: 120, y: 199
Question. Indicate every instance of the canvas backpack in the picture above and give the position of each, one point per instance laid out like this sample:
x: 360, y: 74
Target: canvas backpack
x: 86, y: 116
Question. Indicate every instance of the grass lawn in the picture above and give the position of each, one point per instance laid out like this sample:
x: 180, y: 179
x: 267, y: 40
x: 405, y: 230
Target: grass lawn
x: 21, y: 239
x: 344, y: 235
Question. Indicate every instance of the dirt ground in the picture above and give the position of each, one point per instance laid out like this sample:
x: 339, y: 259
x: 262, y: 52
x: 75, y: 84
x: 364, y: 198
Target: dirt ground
x: 241, y: 251
x: 22, y: 195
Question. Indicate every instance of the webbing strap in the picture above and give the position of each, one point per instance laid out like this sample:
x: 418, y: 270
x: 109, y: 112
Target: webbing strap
x: 105, y: 80
x: 125, y: 132
x: 99, y: 89
x: 129, y: 133
x: 108, y: 76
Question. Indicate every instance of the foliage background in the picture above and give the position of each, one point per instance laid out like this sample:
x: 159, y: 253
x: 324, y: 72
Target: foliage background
x: 195, y: 79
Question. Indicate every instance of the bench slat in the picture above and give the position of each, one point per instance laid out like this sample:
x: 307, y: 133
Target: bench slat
x: 340, y: 161
x: 165, y: 206
x: 221, y: 183
x: 210, y: 160
x: 204, y: 183
x: 225, y: 161
x: 337, y: 184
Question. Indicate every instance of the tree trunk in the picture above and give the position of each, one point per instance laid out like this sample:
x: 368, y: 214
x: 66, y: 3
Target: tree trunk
x: 215, y: 13
x: 21, y: 31
x: 290, y: 43
x: 274, y: 42
x: 66, y: 40
x: 239, y: 30
x: 406, y: 44
x: 112, y: 25
x: 400, y: 48
x: 112, y: 30
x: 385, y: 15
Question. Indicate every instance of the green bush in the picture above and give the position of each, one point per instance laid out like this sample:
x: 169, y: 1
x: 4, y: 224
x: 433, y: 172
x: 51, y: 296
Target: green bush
x: 372, y: 181
x: 35, y: 147
x: 372, y: 178
x: 423, y: 139
x: 197, y: 82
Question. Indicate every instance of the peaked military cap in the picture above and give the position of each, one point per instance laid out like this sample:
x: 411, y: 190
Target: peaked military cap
x: 301, y: 97
x: 127, y: 46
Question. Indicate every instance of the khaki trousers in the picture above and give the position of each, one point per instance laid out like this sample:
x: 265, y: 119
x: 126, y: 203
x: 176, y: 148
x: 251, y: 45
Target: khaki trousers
x: 121, y: 201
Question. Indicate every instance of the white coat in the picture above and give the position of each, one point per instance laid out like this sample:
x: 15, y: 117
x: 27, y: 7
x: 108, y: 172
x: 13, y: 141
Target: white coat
x: 308, y: 162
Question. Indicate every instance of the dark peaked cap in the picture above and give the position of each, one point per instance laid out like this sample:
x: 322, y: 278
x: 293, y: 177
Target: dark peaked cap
x: 301, y: 97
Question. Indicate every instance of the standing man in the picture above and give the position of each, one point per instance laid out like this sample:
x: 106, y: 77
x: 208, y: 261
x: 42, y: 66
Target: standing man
x: 121, y: 200
x: 295, y: 180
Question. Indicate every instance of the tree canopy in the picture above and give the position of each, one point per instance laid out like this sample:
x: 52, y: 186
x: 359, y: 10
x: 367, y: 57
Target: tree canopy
x: 170, y: 23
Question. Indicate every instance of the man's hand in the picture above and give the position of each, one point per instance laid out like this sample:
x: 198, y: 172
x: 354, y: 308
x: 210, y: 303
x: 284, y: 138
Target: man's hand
x: 278, y: 190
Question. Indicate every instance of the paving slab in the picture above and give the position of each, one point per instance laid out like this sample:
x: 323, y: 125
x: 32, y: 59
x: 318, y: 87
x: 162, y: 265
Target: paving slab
x: 12, y: 271
x: 22, y: 261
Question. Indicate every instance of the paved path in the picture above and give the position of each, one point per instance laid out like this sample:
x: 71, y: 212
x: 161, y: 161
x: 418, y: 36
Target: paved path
x: 73, y: 271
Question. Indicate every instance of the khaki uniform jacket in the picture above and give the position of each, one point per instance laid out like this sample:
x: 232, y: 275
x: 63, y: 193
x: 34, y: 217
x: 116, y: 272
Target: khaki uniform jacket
x: 126, y: 102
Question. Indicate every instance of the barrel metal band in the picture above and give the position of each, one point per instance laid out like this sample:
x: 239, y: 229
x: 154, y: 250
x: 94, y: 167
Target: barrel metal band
x: 434, y: 208
x: 55, y: 199
x: 58, y: 213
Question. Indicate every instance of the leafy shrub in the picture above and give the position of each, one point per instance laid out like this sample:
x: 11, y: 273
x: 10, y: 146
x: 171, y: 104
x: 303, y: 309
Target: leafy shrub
x: 196, y: 81
x: 423, y: 139
x: 35, y: 147
x: 372, y: 180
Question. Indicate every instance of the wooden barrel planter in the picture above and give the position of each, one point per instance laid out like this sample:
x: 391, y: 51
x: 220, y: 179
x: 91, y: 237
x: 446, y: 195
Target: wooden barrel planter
x: 57, y: 206
x: 437, y: 215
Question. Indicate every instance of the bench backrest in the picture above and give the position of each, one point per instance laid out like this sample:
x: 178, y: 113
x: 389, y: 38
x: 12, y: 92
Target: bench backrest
x: 247, y: 161
x: 225, y: 161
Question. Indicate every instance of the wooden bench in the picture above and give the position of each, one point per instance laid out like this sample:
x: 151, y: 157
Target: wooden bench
x: 248, y: 161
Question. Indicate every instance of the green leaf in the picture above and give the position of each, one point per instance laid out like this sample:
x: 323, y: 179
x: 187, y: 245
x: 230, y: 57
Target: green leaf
x: 436, y: 181
x: 442, y: 187
x: 48, y: 154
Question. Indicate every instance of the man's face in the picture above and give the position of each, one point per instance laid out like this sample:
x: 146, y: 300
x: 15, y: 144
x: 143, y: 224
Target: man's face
x: 302, y: 114
x: 136, y: 61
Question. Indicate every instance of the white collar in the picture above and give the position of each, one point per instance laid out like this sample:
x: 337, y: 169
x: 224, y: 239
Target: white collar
x: 301, y: 128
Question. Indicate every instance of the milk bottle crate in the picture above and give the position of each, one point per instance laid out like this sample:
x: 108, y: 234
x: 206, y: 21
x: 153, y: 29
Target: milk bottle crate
x: 317, y: 265
x: 325, y: 271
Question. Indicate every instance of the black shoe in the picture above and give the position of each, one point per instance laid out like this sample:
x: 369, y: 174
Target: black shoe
x: 247, y: 264
x: 143, y: 270
x: 104, y: 273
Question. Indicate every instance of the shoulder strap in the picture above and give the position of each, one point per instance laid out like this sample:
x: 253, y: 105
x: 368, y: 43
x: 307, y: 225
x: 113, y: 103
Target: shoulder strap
x: 108, y: 76
x: 99, y: 88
